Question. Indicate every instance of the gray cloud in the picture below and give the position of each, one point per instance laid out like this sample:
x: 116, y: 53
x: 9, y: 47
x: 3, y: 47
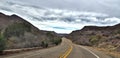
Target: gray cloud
x: 111, y: 7
x: 62, y: 19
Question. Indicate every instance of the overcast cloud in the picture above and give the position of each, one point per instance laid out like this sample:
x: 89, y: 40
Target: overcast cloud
x: 64, y: 16
x: 111, y: 7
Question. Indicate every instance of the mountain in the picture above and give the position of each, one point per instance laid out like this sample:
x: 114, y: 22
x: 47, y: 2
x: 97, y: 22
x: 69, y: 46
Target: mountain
x: 18, y: 33
x: 105, y: 37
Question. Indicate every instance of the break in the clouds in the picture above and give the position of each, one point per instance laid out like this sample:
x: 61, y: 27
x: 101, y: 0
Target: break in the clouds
x: 58, y: 20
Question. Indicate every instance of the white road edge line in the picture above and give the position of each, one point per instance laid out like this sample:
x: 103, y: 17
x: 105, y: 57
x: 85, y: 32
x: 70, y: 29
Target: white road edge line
x: 90, y: 51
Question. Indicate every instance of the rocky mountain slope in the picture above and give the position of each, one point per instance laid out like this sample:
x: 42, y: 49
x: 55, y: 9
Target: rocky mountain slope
x: 15, y: 32
x: 105, y: 37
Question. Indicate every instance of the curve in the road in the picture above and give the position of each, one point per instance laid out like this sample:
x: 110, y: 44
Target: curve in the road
x: 67, y: 52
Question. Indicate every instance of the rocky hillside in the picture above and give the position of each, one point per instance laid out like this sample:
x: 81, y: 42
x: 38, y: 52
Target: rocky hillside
x: 105, y: 37
x: 15, y: 32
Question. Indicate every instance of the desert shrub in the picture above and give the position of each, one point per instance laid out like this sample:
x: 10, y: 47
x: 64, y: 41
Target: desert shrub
x: 2, y: 43
x: 54, y: 39
x: 44, y: 44
x: 94, y: 39
x: 118, y: 32
x: 57, y: 41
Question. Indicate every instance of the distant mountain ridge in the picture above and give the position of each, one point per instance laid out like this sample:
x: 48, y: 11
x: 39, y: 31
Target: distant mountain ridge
x: 101, y: 28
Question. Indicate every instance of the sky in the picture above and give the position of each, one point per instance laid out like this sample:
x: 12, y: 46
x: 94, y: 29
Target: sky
x: 64, y: 16
x: 101, y: 6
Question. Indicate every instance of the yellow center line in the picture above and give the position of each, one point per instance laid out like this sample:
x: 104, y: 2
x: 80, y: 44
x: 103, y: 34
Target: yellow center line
x: 67, y: 52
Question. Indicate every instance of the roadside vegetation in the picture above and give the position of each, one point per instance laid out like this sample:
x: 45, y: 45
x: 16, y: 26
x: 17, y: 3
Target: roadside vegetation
x: 2, y: 43
x: 94, y: 40
x: 54, y: 40
x: 57, y: 41
x: 19, y: 35
x: 44, y: 44
x: 113, y: 54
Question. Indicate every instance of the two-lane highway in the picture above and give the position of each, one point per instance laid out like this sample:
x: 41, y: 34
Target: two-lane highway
x: 65, y: 50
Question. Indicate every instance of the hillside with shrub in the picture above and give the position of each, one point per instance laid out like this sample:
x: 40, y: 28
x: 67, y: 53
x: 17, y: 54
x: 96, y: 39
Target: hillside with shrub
x: 103, y: 37
x: 17, y: 33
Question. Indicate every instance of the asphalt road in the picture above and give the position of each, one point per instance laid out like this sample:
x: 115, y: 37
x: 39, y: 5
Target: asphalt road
x: 65, y: 50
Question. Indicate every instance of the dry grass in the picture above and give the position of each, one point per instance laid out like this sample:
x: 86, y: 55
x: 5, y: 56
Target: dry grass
x: 111, y: 53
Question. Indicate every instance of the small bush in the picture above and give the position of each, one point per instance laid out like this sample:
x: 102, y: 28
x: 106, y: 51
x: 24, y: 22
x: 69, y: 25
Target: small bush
x: 44, y: 44
x: 2, y: 43
x: 94, y: 39
x: 118, y: 32
x: 57, y: 41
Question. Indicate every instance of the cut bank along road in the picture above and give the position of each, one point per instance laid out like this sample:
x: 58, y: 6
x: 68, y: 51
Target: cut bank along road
x: 65, y: 50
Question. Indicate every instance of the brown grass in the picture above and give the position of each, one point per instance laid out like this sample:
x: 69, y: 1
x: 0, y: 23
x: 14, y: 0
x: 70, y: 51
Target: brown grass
x: 111, y: 53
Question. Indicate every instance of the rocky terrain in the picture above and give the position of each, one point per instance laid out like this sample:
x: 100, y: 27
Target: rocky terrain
x: 15, y: 33
x: 104, y: 37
